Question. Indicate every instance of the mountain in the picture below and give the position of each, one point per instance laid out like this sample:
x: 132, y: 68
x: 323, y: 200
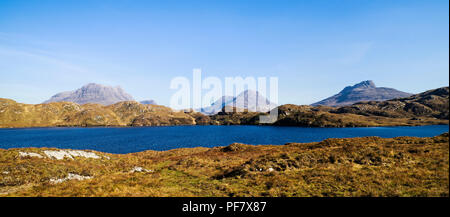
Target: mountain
x: 93, y: 93
x: 364, y: 91
x: 249, y: 100
x: 217, y: 105
x: 433, y: 103
x: 427, y: 108
x: 148, y: 102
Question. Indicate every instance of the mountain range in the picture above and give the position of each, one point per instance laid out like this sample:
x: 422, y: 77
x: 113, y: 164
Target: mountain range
x: 106, y: 95
x: 248, y: 100
x: 430, y: 107
x: 363, y: 91
x: 97, y: 94
x: 93, y: 93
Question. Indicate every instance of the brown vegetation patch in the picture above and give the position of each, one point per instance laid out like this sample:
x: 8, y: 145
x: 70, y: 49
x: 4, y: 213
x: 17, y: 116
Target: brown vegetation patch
x: 367, y: 166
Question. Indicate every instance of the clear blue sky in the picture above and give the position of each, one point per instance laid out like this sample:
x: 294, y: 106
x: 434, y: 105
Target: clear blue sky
x: 316, y: 48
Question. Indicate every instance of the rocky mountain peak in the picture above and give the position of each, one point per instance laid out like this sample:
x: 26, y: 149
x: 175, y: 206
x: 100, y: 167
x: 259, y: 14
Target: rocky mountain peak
x: 362, y: 85
x: 250, y: 100
x: 93, y: 93
x: 363, y: 91
x: 365, y: 84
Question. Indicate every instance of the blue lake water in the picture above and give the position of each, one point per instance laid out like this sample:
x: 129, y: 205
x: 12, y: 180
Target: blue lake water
x: 135, y: 139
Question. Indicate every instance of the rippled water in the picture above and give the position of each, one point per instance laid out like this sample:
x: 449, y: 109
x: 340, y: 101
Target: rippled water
x: 135, y: 139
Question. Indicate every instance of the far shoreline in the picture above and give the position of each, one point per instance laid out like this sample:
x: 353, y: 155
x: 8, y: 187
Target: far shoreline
x: 217, y: 147
x: 259, y: 125
x: 119, y: 140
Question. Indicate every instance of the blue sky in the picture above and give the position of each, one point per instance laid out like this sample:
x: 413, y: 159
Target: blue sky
x: 315, y: 48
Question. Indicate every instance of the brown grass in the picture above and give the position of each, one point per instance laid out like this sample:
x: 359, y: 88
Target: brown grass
x: 368, y: 166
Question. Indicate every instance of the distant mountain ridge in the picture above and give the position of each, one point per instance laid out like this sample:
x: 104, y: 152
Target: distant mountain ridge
x: 430, y: 107
x: 431, y: 103
x: 250, y: 100
x: 363, y: 91
x: 93, y: 93
x: 217, y: 105
x: 148, y: 102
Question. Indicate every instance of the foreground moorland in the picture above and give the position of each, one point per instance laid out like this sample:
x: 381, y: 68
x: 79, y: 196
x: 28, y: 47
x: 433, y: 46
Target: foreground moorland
x: 427, y: 108
x: 367, y: 166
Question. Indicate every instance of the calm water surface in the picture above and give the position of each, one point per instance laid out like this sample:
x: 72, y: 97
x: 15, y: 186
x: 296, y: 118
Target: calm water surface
x: 135, y: 139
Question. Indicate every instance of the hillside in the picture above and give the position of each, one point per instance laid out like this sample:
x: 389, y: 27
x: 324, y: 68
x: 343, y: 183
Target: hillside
x: 432, y: 103
x: 368, y: 166
x: 129, y: 113
x: 430, y: 107
x: 363, y: 91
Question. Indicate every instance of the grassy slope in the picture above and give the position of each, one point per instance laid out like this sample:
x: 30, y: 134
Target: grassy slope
x: 369, y: 166
x: 65, y: 114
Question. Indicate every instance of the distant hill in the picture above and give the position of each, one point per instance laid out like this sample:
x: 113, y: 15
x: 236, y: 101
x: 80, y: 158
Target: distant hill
x: 430, y: 107
x: 427, y: 108
x: 93, y: 93
x: 432, y: 103
x: 217, y: 106
x: 148, y: 102
x: 364, y: 91
x: 66, y: 114
x: 250, y: 100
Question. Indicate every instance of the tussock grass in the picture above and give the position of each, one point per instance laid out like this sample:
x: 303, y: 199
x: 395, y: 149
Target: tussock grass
x: 367, y: 166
